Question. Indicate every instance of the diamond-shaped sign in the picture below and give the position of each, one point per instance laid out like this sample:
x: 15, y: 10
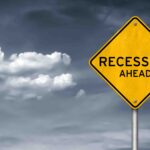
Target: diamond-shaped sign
x: 124, y: 62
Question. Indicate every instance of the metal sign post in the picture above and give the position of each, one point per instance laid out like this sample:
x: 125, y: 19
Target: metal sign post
x: 135, y: 129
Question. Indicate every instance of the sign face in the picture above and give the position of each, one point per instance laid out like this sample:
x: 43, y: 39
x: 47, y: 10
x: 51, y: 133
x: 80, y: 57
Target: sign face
x: 124, y: 62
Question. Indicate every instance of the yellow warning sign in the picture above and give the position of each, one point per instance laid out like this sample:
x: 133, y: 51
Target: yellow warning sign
x: 124, y: 62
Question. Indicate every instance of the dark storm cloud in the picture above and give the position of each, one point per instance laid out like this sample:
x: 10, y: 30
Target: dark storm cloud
x: 44, y: 18
x: 67, y: 25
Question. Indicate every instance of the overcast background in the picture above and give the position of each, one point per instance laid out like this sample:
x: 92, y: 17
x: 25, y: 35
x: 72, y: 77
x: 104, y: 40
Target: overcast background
x: 49, y: 97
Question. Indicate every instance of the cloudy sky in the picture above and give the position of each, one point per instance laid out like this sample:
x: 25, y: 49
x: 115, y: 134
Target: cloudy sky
x: 49, y: 97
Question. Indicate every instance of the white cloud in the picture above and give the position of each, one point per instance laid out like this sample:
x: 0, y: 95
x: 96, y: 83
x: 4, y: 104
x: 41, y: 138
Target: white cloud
x: 18, y: 82
x: 80, y: 93
x: 42, y: 81
x: 66, y: 59
x: 63, y: 81
x: 29, y: 61
x: 1, y: 55
x: 31, y: 75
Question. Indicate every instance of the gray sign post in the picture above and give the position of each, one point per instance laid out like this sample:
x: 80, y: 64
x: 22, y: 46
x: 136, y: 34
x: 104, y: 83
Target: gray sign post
x: 135, y: 129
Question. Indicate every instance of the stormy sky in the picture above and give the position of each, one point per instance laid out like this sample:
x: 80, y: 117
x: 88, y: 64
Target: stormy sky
x: 50, y: 99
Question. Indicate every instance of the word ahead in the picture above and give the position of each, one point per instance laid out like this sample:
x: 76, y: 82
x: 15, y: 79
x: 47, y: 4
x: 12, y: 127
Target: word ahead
x: 124, y: 62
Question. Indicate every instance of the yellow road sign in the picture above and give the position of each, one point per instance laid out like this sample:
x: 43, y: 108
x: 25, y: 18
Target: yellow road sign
x: 124, y: 62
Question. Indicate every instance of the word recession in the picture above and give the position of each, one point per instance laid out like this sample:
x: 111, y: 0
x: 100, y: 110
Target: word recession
x: 128, y: 62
